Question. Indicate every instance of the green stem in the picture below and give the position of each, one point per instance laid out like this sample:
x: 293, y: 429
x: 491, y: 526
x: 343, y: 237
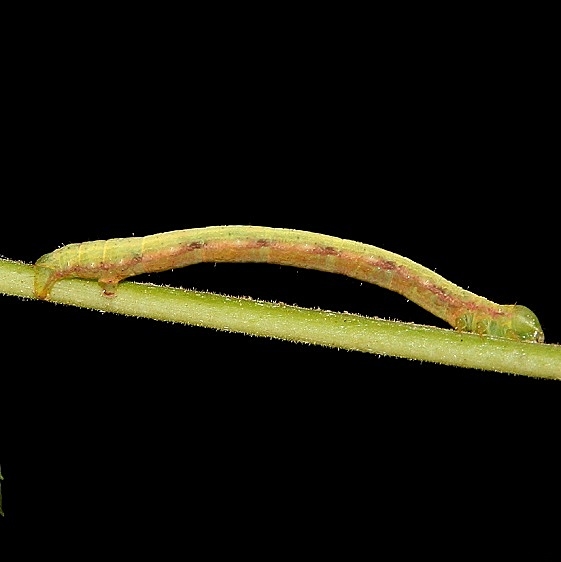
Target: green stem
x: 1, y: 512
x: 340, y: 330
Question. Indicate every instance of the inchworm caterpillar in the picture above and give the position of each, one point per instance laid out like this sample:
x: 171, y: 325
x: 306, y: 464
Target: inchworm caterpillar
x: 110, y: 261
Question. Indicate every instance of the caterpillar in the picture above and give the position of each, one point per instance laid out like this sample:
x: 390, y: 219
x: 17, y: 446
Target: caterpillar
x: 111, y: 261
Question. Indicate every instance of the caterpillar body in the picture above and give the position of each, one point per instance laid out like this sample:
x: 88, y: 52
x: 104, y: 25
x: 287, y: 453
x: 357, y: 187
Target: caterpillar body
x: 111, y: 261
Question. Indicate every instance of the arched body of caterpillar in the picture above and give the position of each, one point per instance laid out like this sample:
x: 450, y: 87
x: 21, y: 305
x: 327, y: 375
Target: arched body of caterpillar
x: 110, y: 261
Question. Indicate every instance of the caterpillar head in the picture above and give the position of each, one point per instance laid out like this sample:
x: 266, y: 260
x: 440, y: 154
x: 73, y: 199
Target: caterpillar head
x: 525, y: 324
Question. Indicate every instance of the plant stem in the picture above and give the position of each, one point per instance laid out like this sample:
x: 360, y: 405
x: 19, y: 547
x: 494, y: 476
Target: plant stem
x: 332, y: 329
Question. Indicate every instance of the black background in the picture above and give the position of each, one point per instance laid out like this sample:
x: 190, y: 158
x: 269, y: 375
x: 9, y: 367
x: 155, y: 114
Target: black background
x: 443, y: 157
